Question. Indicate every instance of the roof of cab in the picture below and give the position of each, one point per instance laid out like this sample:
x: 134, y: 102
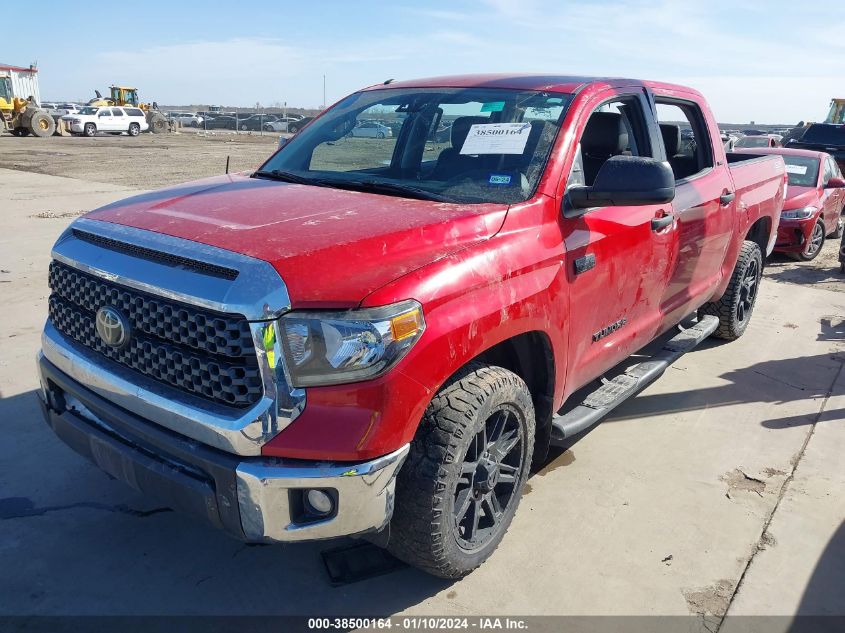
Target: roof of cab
x: 548, y: 83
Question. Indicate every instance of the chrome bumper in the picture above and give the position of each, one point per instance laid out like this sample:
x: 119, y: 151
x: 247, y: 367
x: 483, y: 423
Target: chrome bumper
x: 365, y: 494
x: 255, y: 499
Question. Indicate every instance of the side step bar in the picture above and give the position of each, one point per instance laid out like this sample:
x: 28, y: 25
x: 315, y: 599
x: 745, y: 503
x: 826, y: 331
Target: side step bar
x: 614, y: 392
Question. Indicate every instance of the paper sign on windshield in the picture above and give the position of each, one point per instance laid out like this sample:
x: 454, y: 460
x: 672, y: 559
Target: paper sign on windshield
x: 796, y: 169
x: 496, y: 138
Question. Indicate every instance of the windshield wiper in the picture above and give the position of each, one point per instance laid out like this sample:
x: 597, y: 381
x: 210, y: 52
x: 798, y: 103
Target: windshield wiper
x: 389, y: 188
x: 286, y: 176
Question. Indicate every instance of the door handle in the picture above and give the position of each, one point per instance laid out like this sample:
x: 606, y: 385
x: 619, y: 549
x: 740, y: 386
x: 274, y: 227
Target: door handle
x: 661, y: 222
x: 727, y: 197
x: 585, y: 263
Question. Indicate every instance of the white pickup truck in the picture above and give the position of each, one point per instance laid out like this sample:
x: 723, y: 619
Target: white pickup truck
x: 91, y: 120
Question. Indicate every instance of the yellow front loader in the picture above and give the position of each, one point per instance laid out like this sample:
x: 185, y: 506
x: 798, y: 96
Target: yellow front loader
x: 23, y: 116
x: 837, y: 111
x: 124, y: 96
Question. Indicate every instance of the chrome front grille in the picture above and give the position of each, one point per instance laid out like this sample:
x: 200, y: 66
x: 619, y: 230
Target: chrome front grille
x: 205, y: 353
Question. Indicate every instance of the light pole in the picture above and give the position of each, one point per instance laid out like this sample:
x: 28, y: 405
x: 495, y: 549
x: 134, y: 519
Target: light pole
x: 324, y: 93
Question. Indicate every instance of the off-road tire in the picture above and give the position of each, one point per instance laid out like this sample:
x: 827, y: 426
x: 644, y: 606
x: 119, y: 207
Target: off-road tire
x: 726, y: 309
x: 42, y: 125
x: 423, y: 531
x: 157, y: 122
x: 134, y: 129
x: 818, y: 233
x: 89, y: 129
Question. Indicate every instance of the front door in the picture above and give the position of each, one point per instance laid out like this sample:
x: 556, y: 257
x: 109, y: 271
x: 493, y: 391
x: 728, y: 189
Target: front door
x: 617, y: 257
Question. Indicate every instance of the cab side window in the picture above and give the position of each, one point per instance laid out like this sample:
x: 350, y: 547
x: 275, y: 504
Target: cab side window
x: 615, y: 128
x: 685, y: 138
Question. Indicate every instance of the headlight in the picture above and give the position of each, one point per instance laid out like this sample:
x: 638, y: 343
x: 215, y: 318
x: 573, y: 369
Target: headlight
x: 799, y: 214
x: 328, y: 348
x: 75, y: 121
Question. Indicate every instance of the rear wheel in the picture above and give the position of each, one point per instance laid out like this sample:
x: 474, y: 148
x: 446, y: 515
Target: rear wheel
x: 815, y: 243
x: 134, y: 129
x: 458, y: 492
x: 90, y: 129
x: 42, y: 125
x: 158, y: 124
x: 735, y: 307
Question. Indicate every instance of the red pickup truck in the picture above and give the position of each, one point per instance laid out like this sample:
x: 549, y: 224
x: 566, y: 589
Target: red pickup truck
x: 376, y: 336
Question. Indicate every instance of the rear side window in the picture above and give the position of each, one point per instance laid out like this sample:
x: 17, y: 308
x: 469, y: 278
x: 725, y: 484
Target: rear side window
x: 117, y: 112
x: 134, y: 112
x: 685, y: 137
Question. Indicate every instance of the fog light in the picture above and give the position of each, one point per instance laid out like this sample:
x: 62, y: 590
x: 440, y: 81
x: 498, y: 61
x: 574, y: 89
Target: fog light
x: 319, y: 502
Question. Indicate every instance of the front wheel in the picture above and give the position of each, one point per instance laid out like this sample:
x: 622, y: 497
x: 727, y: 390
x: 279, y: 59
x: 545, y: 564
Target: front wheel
x: 42, y: 125
x: 134, y: 129
x: 90, y: 129
x: 815, y: 243
x: 459, y: 489
x: 734, y: 308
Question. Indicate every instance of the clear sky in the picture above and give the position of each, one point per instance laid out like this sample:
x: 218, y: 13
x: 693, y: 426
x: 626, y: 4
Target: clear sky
x: 767, y: 61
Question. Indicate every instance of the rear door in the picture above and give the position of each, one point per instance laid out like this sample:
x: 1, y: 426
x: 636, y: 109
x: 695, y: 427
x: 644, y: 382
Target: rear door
x: 703, y: 206
x: 119, y: 120
x: 617, y: 259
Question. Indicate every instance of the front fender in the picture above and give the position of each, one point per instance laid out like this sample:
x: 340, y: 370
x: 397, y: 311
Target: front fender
x: 472, y: 300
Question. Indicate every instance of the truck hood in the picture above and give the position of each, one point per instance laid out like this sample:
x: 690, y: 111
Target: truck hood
x: 799, y: 197
x: 331, y: 247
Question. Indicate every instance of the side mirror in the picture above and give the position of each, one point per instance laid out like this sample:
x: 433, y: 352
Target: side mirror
x: 835, y: 183
x: 623, y: 181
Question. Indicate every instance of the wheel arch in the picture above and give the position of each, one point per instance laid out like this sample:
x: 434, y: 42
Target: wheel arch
x: 530, y: 356
x: 760, y: 233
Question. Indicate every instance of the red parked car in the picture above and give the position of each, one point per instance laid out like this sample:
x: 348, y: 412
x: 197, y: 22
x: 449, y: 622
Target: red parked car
x: 363, y: 335
x: 814, y: 201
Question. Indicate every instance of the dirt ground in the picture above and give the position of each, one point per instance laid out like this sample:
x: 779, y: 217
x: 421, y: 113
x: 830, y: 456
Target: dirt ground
x: 148, y: 161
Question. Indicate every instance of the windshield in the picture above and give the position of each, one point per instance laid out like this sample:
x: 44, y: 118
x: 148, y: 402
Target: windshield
x: 753, y: 141
x: 803, y: 171
x: 455, y: 144
x: 825, y: 134
x: 88, y: 110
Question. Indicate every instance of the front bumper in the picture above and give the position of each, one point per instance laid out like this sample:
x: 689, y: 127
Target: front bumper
x: 254, y: 499
x: 794, y: 234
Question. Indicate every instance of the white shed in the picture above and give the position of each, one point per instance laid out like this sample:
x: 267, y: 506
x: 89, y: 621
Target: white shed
x: 24, y: 81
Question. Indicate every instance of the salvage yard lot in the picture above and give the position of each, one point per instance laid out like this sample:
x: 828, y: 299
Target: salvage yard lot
x: 727, y: 468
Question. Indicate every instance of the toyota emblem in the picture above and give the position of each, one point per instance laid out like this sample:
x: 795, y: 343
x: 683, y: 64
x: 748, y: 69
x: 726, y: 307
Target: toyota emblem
x: 112, y: 327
